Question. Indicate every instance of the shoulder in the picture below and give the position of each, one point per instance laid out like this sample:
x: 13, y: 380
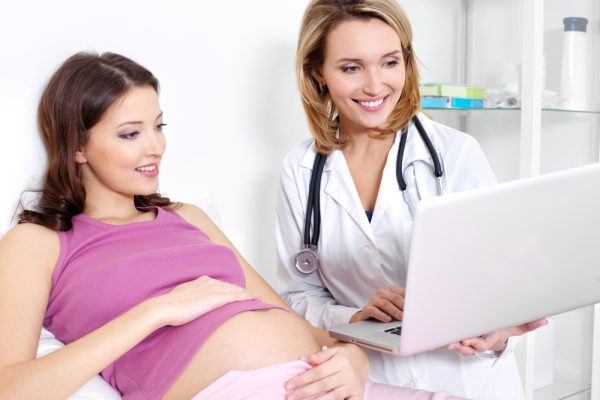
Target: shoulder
x: 31, y: 242
x: 197, y: 217
x: 298, y: 154
x: 28, y: 233
x: 190, y: 212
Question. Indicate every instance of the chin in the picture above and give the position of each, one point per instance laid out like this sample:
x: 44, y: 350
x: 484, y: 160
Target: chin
x: 147, y: 191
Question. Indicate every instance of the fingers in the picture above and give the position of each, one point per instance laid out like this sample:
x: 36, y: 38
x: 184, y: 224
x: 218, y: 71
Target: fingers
x: 192, y: 299
x: 376, y: 313
x: 533, y: 325
x: 397, y: 289
x: 320, y: 357
x: 386, y: 304
x: 459, y: 348
x: 332, y: 377
x: 468, y: 347
x: 482, y: 343
x: 527, y: 327
x: 321, y: 385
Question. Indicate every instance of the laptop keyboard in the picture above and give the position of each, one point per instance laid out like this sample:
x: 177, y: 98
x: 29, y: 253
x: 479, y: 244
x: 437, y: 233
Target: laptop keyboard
x: 395, y: 331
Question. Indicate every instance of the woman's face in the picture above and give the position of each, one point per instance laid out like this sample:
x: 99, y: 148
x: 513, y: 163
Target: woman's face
x: 125, y: 147
x: 364, y: 72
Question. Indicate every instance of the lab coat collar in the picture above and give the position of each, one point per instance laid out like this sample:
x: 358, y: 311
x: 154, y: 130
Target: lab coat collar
x: 340, y: 186
x: 389, y: 190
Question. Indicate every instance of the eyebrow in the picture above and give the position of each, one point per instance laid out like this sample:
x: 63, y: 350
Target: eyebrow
x: 138, y: 122
x: 391, y: 53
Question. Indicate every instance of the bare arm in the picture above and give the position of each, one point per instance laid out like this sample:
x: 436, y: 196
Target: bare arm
x: 27, y: 257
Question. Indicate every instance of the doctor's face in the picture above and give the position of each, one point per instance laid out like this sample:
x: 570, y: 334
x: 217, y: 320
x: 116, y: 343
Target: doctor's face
x: 363, y: 69
x: 124, y: 149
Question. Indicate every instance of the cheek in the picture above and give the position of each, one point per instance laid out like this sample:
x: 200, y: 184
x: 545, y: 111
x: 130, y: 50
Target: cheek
x: 340, y: 85
x: 401, y: 79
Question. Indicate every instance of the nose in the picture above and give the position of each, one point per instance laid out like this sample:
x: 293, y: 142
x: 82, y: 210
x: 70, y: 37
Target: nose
x: 373, y: 82
x: 155, y: 144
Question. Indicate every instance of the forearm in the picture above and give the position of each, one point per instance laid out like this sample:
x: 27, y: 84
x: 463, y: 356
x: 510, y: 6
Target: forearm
x: 59, y: 374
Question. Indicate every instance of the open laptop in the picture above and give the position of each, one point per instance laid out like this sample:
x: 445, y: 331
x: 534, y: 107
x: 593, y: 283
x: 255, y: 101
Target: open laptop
x: 495, y: 257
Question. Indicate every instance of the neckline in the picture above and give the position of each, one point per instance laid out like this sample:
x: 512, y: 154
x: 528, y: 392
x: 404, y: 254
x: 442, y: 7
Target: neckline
x: 105, y: 225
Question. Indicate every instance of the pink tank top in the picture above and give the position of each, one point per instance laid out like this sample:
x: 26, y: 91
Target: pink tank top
x: 104, y: 270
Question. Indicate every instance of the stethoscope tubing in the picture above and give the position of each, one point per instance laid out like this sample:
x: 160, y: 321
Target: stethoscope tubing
x: 313, y: 206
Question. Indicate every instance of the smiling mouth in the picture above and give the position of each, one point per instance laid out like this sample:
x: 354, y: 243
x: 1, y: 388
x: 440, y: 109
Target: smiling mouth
x: 373, y: 103
x: 146, y: 168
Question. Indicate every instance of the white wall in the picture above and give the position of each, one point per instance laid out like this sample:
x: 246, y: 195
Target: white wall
x: 228, y: 93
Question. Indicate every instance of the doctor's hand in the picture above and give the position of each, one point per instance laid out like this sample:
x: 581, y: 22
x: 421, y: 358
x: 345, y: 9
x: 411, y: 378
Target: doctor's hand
x: 338, y: 372
x: 495, y: 341
x: 385, y: 305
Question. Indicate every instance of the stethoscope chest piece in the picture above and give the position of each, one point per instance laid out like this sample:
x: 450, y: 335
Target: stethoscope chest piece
x: 307, y: 260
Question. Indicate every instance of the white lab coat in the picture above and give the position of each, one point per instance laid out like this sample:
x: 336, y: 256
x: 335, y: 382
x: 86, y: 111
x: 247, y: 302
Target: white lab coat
x: 358, y: 257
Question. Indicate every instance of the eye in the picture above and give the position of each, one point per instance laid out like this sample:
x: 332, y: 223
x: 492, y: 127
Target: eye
x: 160, y: 126
x: 391, y: 63
x: 350, y: 68
x: 129, y: 136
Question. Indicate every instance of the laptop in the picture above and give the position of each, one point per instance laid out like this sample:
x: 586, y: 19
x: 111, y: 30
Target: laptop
x: 491, y: 258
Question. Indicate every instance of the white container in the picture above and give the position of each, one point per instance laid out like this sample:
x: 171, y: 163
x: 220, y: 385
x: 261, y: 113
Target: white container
x: 576, y: 79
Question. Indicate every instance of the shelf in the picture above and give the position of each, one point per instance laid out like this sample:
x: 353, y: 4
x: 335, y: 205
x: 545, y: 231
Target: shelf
x: 563, y: 391
x: 558, y: 110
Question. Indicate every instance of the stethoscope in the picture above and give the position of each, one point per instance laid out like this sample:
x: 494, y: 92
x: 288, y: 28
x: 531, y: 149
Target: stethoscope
x: 307, y: 260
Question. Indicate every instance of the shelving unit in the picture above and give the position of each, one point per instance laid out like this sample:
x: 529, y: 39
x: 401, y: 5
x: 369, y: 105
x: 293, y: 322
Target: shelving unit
x: 539, y: 137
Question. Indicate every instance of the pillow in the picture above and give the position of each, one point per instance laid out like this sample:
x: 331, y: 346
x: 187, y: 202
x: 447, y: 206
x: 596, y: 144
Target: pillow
x: 95, y: 389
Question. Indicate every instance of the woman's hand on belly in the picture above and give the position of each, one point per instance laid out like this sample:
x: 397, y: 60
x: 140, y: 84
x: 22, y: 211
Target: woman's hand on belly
x: 339, y: 372
x: 193, y: 299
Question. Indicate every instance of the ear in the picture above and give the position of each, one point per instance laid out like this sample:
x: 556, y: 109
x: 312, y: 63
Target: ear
x: 318, y: 77
x: 80, y: 158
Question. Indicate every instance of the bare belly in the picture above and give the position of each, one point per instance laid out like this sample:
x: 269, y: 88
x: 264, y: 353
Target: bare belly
x: 248, y: 340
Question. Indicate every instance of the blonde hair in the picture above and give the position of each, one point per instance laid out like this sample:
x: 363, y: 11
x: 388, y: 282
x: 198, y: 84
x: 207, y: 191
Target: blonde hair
x: 320, y: 18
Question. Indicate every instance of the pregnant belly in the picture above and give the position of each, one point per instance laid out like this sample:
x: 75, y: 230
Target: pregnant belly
x: 246, y: 341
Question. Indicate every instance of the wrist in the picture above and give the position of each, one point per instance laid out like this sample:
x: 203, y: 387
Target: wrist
x: 360, y: 360
x: 154, y: 311
x: 357, y: 316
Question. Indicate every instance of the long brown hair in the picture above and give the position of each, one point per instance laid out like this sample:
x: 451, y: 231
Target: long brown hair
x: 75, y: 99
x: 320, y: 18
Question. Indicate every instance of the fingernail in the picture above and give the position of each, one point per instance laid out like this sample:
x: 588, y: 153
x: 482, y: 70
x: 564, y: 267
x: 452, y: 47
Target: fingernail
x: 288, y: 387
x: 323, y: 348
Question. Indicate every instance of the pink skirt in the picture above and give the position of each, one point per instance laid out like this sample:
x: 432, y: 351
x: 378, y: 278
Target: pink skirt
x: 267, y: 383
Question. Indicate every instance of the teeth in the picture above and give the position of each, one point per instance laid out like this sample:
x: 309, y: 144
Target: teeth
x: 147, y: 168
x: 371, y: 103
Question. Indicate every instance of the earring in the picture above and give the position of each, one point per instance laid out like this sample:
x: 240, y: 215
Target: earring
x: 322, y: 87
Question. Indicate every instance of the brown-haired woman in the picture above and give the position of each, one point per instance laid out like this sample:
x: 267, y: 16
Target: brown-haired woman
x: 358, y: 81
x: 148, y: 292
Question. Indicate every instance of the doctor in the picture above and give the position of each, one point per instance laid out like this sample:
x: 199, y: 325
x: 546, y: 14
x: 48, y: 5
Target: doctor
x: 343, y: 246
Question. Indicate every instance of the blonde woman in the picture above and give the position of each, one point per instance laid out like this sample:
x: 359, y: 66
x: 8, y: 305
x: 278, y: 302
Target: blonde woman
x: 358, y: 80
